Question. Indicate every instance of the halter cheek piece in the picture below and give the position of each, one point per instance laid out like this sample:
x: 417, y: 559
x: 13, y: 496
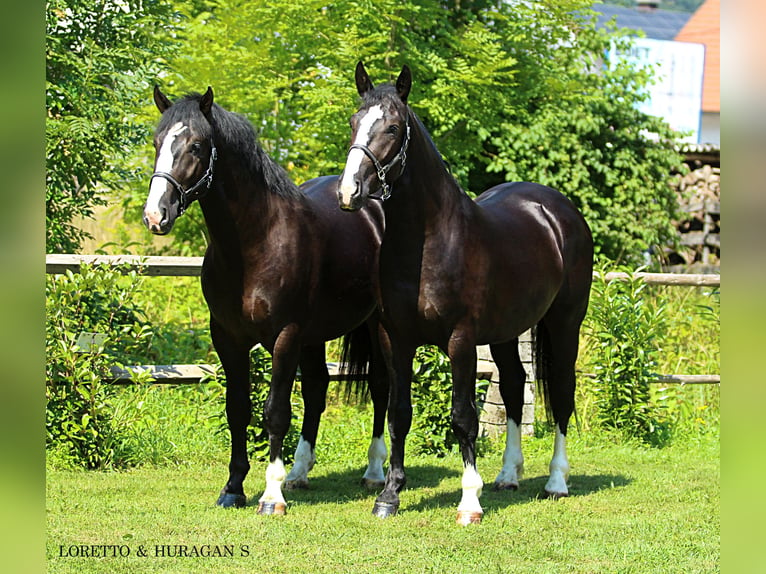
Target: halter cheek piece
x: 198, y: 190
x: 383, y: 170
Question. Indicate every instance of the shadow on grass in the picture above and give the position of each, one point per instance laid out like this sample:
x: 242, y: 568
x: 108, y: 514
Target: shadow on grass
x: 346, y: 485
x: 530, y: 489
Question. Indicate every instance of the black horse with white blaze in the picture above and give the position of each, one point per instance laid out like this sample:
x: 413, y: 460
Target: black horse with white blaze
x: 458, y: 273
x: 284, y: 268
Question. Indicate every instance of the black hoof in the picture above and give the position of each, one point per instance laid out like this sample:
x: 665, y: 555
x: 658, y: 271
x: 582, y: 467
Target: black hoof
x: 229, y: 500
x: 384, y: 509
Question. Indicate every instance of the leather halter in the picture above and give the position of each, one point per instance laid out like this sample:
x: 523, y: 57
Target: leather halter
x: 383, y: 170
x: 194, y: 192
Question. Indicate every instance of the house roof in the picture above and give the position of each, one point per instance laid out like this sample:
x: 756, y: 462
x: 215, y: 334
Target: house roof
x: 704, y: 27
x: 657, y: 24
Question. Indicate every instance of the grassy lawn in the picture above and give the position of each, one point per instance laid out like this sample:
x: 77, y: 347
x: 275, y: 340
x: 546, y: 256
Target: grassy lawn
x: 632, y: 509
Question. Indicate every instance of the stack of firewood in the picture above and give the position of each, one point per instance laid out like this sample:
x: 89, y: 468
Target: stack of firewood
x: 699, y: 199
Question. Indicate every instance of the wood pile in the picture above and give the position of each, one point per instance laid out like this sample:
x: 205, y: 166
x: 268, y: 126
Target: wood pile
x: 699, y: 198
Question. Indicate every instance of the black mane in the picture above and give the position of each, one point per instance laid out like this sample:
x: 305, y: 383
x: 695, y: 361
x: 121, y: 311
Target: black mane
x: 235, y: 134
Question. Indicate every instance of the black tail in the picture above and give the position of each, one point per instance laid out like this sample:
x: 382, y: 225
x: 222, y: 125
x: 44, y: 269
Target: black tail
x: 355, y: 362
x: 542, y: 345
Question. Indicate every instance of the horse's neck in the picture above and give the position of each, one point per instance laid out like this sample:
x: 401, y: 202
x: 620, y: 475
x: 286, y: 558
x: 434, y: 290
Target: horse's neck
x: 429, y: 197
x: 240, y: 212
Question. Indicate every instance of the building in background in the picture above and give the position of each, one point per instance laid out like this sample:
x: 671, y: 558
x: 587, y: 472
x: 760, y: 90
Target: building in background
x: 685, y: 50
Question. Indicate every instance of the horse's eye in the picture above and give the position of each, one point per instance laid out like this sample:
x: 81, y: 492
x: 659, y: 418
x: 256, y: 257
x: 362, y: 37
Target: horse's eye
x: 196, y: 147
x: 393, y: 129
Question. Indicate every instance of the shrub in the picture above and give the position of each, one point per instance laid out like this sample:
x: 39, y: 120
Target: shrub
x: 625, y: 328
x: 99, y: 300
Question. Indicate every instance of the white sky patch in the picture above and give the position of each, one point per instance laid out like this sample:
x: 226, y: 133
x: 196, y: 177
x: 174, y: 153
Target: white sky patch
x: 355, y: 156
x: 164, y: 163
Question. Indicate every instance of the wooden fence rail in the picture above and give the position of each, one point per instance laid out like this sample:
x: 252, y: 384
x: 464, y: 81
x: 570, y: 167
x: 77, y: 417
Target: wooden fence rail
x: 192, y: 266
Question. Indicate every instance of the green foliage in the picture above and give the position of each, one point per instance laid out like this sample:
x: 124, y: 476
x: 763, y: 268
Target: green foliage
x: 102, y: 57
x: 79, y: 421
x: 626, y: 329
x: 509, y: 91
x: 431, y: 431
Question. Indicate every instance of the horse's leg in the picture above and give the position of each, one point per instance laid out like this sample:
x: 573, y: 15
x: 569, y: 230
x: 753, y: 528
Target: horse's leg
x: 276, y: 416
x: 399, y: 365
x: 560, y: 340
x: 377, y: 380
x: 512, y: 379
x: 465, y: 423
x: 235, y: 360
x: 314, y: 382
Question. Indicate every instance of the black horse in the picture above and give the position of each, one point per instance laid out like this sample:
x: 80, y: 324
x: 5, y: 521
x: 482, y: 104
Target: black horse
x: 284, y: 268
x: 459, y: 273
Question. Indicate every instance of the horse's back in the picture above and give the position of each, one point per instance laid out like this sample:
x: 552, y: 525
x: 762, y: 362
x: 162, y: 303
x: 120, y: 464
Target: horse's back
x: 504, y: 204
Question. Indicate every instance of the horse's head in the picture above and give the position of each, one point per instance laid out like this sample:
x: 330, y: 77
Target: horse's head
x: 185, y: 156
x: 380, y: 134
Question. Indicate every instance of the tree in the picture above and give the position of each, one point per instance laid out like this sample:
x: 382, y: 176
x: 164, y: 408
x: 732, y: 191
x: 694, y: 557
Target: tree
x: 509, y: 91
x: 101, y: 57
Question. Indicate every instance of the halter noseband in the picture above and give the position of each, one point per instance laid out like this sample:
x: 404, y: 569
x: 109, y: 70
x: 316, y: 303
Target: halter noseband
x: 384, y: 169
x: 189, y: 195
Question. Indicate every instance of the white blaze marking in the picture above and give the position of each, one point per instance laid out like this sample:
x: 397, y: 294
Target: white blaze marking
x: 355, y: 156
x: 472, y: 487
x: 513, y: 459
x: 304, y: 462
x: 559, y: 467
x: 275, y: 476
x: 376, y: 456
x: 164, y: 163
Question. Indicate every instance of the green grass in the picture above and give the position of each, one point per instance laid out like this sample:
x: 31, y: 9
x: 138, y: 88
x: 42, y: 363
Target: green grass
x: 632, y: 509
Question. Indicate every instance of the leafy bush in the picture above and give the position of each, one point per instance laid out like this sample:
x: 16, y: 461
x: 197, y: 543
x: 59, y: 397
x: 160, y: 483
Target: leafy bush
x: 99, y: 300
x: 625, y: 329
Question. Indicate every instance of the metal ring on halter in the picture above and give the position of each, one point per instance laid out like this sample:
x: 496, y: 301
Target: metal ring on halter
x: 382, y: 170
x: 188, y: 195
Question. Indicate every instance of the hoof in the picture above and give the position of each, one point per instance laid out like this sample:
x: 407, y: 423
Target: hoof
x: 384, y: 509
x: 373, y: 485
x: 556, y: 495
x: 229, y: 500
x: 272, y: 508
x: 466, y: 517
x: 298, y: 484
x: 506, y: 486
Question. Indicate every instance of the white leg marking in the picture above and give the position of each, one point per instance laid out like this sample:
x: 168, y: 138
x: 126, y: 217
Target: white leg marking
x: 164, y: 163
x: 472, y: 487
x: 355, y: 156
x: 275, y: 476
x: 376, y: 457
x: 304, y: 462
x: 559, y: 467
x: 513, y: 459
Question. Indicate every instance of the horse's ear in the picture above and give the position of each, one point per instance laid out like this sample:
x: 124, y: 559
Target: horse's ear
x: 363, y: 82
x: 206, y: 101
x: 404, y: 83
x: 161, y: 100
